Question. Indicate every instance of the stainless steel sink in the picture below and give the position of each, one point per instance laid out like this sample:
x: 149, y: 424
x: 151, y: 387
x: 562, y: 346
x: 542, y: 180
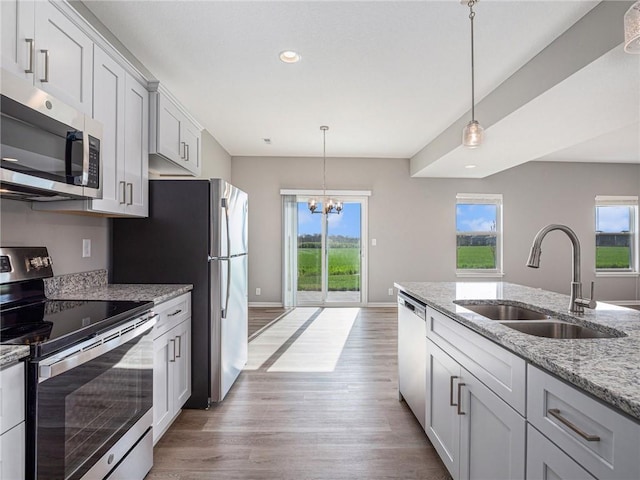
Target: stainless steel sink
x: 503, y: 311
x: 561, y: 330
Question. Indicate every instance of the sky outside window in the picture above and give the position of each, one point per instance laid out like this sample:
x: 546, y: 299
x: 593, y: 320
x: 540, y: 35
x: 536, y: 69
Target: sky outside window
x: 613, y: 219
x: 473, y: 217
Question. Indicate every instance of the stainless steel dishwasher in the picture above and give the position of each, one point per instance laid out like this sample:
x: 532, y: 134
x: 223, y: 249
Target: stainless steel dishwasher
x: 412, y: 354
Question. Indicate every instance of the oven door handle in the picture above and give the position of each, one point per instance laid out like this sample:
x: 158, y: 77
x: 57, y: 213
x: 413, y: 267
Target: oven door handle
x: 92, y: 349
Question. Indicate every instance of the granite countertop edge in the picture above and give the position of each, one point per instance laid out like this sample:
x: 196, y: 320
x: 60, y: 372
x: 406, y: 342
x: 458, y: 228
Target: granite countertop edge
x: 605, y: 368
x: 157, y: 293
x: 10, y: 354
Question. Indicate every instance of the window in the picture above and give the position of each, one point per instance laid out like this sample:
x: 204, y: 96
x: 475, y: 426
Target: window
x: 479, y: 233
x: 616, y: 234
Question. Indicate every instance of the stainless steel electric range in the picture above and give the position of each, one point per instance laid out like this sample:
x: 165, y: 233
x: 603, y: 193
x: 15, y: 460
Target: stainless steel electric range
x: 89, y: 375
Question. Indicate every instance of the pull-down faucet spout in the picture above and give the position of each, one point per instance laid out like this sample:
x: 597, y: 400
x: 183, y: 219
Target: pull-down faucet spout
x: 576, y: 303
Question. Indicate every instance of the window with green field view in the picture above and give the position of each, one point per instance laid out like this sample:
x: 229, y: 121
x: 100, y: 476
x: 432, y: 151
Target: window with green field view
x: 616, y: 238
x: 478, y: 227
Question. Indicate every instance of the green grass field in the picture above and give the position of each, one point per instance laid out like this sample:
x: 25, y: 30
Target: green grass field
x: 612, y: 257
x: 475, y: 257
x: 344, y: 269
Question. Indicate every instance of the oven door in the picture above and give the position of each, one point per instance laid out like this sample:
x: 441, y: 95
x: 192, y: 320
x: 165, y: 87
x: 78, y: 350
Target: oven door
x: 82, y: 404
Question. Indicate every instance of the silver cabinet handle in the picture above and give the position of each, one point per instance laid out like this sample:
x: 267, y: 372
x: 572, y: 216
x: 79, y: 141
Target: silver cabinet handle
x: 173, y: 349
x: 179, y: 340
x: 123, y: 192
x: 175, y: 313
x: 186, y: 146
x: 31, y: 54
x: 453, y: 377
x: 184, y: 150
x: 46, y: 66
x: 555, y: 413
x: 460, y: 385
x: 130, y: 185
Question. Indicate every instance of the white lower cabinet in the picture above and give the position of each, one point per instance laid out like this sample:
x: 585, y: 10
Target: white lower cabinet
x: 477, y: 435
x: 545, y: 461
x: 171, y: 362
x: 12, y: 427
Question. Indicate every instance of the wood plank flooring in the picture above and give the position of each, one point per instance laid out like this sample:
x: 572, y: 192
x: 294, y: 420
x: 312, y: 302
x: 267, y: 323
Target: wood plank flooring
x: 278, y: 424
x: 260, y: 317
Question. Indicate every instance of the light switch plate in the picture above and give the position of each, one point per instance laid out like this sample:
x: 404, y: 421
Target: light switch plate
x: 86, y: 247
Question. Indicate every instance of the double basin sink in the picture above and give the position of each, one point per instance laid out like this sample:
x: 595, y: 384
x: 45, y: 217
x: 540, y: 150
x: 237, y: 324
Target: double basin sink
x: 530, y: 321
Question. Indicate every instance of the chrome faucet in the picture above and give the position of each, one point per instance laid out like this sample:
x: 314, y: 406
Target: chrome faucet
x: 576, y: 303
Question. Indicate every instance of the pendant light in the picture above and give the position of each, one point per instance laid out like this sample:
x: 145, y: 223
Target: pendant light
x: 473, y: 133
x: 632, y: 29
x: 328, y: 204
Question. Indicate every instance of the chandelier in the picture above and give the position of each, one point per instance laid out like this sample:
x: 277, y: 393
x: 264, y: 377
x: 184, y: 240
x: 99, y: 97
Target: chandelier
x: 473, y: 133
x: 329, y: 205
x: 632, y: 29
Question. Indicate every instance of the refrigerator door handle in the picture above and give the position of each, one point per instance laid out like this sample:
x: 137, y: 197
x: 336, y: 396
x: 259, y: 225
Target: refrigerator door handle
x: 224, y: 203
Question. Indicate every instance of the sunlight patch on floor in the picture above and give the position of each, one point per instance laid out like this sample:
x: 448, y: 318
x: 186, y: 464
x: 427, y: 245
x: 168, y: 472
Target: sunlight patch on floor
x: 319, y: 347
x: 268, y: 342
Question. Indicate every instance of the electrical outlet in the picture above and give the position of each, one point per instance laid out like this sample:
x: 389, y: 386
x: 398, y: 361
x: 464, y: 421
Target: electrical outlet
x: 258, y: 291
x: 391, y: 292
x: 86, y: 247
x: 374, y: 242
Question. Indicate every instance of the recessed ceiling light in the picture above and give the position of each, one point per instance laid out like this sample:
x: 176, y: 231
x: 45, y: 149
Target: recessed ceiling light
x: 470, y: 166
x: 289, y: 56
x: 9, y: 159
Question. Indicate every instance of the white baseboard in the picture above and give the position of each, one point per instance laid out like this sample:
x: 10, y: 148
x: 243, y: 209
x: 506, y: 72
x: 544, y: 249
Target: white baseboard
x: 266, y: 304
x: 381, y: 304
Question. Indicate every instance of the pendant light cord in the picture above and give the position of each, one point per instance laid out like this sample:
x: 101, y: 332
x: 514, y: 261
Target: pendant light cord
x: 472, y: 15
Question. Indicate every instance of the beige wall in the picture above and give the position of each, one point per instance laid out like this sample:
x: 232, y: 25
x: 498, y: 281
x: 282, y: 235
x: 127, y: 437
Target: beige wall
x: 61, y: 233
x: 216, y: 162
x: 413, y: 220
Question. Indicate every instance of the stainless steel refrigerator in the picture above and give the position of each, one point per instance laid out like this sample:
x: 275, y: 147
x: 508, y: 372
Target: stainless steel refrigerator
x: 196, y: 233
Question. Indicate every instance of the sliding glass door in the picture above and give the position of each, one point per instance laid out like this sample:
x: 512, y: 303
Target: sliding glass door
x: 328, y: 260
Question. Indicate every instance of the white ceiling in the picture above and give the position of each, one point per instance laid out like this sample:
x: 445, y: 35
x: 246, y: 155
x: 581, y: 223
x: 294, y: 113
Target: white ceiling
x: 387, y: 77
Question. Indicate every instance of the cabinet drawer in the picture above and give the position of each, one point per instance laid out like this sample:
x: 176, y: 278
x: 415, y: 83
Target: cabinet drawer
x: 171, y: 313
x: 11, y: 396
x: 567, y: 417
x: 12, y: 453
x: 546, y: 461
x: 502, y: 371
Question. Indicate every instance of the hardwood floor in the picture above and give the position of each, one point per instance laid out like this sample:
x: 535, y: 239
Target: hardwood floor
x: 260, y: 317
x: 319, y: 422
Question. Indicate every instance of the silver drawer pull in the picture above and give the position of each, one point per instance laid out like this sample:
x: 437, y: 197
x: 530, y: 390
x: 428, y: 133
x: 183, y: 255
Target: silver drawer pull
x: 31, y: 54
x: 451, y: 379
x: 555, y: 413
x: 173, y: 349
x: 46, y: 66
x: 460, y: 412
x: 175, y: 313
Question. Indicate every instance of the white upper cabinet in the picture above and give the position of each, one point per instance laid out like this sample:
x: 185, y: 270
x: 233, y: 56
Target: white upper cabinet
x: 18, y: 27
x: 121, y: 104
x: 63, y: 57
x: 43, y: 46
x: 174, y: 137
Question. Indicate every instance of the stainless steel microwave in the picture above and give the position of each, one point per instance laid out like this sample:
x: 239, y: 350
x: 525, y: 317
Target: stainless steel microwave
x: 49, y: 150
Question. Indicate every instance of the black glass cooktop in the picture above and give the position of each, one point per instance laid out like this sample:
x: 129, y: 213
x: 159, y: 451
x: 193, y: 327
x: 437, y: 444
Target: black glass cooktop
x: 51, y: 325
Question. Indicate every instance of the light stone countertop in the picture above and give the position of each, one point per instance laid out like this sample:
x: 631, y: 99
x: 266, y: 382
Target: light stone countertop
x: 12, y: 353
x: 156, y: 293
x: 94, y: 286
x: 608, y: 368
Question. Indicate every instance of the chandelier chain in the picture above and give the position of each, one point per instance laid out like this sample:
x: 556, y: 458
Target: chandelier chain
x: 472, y: 15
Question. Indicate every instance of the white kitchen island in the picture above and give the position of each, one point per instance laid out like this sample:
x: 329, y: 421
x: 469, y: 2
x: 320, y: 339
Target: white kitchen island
x: 505, y: 404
